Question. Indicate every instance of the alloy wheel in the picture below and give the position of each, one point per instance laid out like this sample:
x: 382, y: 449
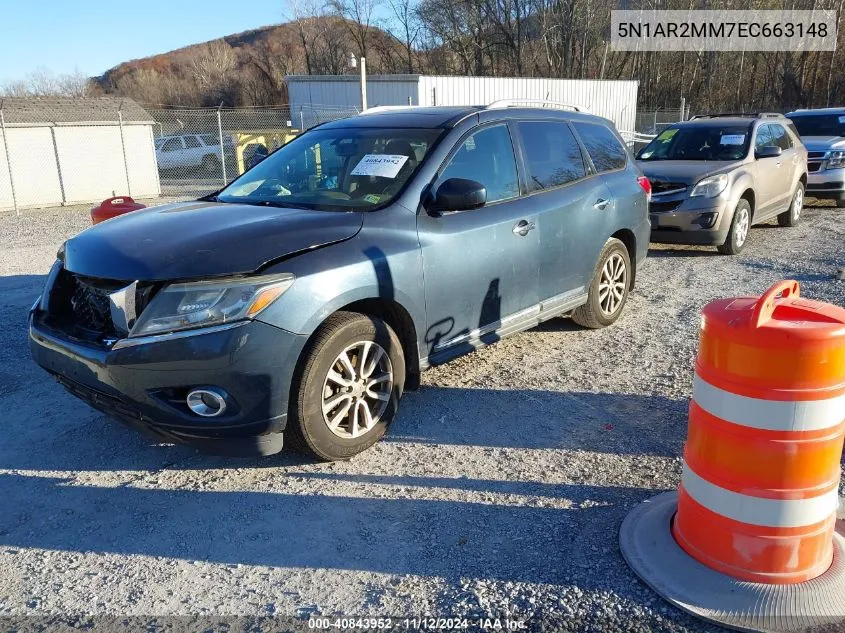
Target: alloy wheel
x: 742, y: 225
x: 613, y: 284
x: 357, y: 389
x: 797, y: 204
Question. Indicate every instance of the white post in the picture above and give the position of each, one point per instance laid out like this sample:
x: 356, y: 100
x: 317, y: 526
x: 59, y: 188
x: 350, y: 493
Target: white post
x: 220, y: 138
x: 8, y: 161
x: 363, y: 84
x: 683, y: 107
x: 123, y: 148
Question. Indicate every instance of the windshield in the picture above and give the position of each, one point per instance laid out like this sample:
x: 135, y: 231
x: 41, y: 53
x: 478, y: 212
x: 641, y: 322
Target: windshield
x: 699, y: 142
x: 347, y: 169
x: 820, y: 124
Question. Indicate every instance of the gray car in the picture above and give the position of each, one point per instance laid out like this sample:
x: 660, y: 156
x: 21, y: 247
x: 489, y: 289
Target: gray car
x: 304, y: 298
x: 715, y: 176
x: 823, y: 133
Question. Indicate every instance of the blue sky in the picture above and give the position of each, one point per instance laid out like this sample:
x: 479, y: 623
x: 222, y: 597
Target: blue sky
x: 94, y: 35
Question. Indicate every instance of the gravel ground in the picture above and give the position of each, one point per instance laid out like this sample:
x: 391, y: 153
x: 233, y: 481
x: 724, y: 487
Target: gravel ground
x: 499, y: 491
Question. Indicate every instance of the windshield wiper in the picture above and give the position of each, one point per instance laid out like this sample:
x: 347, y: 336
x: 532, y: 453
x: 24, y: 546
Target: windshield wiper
x: 270, y: 203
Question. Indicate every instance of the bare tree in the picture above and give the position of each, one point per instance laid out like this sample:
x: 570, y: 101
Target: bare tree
x: 408, y: 24
x: 212, y: 67
x: 43, y: 82
x: 358, y: 16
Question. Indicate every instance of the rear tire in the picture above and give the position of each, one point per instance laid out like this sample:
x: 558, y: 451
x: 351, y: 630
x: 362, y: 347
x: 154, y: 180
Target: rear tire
x: 791, y: 216
x: 609, y: 288
x: 740, y: 228
x: 332, y: 387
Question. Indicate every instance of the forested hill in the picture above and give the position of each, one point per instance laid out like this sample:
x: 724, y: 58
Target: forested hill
x: 538, y: 38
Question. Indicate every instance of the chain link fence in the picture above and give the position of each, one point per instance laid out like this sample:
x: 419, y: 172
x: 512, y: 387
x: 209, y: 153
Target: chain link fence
x: 200, y: 150
x: 62, y: 151
x: 655, y: 121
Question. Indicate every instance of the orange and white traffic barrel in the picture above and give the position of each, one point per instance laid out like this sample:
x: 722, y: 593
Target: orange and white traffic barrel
x: 754, y: 518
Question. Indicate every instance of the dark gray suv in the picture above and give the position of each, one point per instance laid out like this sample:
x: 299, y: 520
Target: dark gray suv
x: 308, y: 295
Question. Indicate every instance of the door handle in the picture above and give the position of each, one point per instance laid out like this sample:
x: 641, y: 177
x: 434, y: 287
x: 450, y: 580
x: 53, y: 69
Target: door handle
x: 522, y: 228
x: 601, y: 204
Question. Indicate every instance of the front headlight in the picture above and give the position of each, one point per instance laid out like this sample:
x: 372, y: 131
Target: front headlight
x: 710, y: 187
x: 836, y: 160
x: 184, y: 306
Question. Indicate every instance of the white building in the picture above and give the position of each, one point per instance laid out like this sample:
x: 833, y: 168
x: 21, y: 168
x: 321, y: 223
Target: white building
x: 316, y: 95
x: 59, y: 151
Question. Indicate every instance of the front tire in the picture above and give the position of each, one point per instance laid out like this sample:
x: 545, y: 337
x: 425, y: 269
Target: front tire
x: 740, y: 226
x: 608, y: 289
x: 791, y: 216
x: 347, y: 389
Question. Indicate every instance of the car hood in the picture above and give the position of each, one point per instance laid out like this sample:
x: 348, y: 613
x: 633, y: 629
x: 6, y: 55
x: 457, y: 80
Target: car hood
x: 823, y: 143
x: 202, y: 239
x: 688, y: 172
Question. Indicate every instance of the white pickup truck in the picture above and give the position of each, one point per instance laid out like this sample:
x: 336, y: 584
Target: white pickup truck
x: 823, y: 134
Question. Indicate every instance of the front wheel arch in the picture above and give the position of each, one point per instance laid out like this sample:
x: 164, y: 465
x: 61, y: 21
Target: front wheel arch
x: 306, y: 427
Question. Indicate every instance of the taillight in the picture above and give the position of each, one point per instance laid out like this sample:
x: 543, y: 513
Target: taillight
x: 646, y: 185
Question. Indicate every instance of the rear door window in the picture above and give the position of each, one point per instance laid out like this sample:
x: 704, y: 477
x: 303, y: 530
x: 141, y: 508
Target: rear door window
x: 191, y: 142
x: 552, y: 154
x: 487, y: 157
x: 603, y: 146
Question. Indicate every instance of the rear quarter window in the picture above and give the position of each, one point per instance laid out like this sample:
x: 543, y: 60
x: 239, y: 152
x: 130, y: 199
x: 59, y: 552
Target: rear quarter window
x: 604, y: 148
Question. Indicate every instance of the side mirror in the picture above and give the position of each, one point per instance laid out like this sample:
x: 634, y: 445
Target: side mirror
x: 769, y: 151
x: 458, y: 194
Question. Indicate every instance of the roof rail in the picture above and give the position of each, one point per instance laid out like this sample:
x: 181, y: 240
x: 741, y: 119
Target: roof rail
x: 512, y: 103
x: 384, y: 108
x: 752, y: 115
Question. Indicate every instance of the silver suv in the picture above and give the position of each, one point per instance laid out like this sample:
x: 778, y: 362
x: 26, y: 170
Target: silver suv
x: 715, y: 176
x: 823, y: 133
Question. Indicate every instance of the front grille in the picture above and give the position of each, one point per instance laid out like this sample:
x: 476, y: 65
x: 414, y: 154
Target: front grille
x: 663, y: 207
x: 659, y: 186
x: 91, y: 307
x: 816, y: 154
x: 80, y: 307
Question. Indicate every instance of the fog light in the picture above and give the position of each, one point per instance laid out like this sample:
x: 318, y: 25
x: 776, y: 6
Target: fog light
x: 206, y: 402
x: 706, y: 220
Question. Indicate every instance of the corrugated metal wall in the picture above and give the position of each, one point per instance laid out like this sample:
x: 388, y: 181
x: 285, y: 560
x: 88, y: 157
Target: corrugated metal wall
x: 615, y: 100
x: 344, y: 91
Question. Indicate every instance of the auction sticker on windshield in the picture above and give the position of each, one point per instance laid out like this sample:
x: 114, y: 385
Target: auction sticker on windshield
x: 732, y: 139
x: 382, y: 165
